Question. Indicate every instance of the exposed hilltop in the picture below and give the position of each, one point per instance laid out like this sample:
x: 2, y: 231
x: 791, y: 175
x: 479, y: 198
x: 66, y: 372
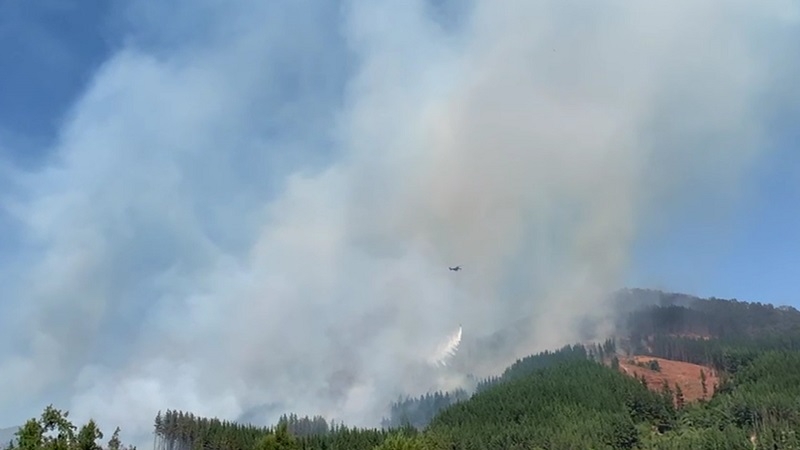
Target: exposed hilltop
x: 696, y: 382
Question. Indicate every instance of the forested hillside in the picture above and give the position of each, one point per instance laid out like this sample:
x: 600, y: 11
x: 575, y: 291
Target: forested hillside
x: 581, y: 396
x: 668, y: 314
x: 723, y: 334
x: 718, y: 334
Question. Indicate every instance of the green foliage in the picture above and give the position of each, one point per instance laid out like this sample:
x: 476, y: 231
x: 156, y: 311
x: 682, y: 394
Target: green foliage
x: 178, y: 430
x: 760, y: 401
x: 279, y: 440
x: 576, y: 404
x: 402, y: 442
x: 419, y: 412
x: 90, y: 433
x: 733, y: 332
x: 525, y: 366
x: 54, y: 431
x: 31, y: 436
x: 703, y: 383
x: 703, y: 438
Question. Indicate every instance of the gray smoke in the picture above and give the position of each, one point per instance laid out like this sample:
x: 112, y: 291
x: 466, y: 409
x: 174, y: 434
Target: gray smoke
x: 256, y: 204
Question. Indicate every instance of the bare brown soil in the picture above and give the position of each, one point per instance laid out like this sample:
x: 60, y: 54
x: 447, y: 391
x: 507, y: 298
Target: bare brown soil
x: 686, y: 375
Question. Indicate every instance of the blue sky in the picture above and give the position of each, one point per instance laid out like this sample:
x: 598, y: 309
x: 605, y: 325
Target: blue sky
x: 186, y: 178
x: 50, y: 51
x: 749, y: 253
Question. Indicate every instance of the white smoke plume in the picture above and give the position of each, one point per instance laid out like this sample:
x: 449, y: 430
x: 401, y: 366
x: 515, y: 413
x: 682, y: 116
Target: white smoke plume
x: 255, y: 203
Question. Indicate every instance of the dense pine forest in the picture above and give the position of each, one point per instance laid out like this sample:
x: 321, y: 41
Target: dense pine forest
x: 578, y: 397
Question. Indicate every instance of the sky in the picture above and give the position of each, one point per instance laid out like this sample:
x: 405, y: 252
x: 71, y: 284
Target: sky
x: 240, y: 207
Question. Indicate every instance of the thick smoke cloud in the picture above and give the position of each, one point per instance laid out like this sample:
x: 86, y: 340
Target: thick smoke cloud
x: 252, y: 208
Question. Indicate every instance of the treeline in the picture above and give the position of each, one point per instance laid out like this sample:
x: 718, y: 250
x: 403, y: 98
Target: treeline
x: 530, y: 364
x: 757, y: 408
x: 574, y: 397
x: 582, y: 404
x: 666, y: 325
x: 419, y: 411
x: 572, y: 403
x: 177, y: 430
x: 681, y: 315
x: 565, y: 399
x: 725, y: 354
x: 722, y: 334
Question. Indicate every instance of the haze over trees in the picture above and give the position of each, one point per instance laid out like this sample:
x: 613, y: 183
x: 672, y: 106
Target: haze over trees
x: 573, y: 397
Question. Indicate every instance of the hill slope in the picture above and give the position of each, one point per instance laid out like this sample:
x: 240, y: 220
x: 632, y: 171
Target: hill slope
x: 686, y: 332
x: 575, y: 404
x: 580, y: 396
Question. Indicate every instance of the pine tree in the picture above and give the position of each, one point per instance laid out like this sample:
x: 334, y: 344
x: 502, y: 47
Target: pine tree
x: 680, y: 401
x: 703, y: 383
x: 114, y: 443
x: 88, y: 436
x: 62, y: 431
x: 30, y: 436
